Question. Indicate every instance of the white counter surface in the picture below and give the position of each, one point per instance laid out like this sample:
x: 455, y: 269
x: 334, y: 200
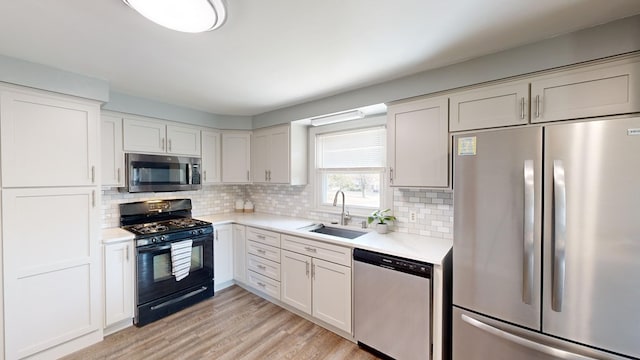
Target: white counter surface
x: 421, y: 248
x: 115, y: 235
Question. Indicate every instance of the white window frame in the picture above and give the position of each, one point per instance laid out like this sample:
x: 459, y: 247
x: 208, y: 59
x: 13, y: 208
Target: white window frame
x: 315, y: 174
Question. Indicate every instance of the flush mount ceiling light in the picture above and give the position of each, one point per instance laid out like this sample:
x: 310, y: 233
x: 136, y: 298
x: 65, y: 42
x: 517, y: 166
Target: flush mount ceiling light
x: 336, y: 118
x: 190, y: 16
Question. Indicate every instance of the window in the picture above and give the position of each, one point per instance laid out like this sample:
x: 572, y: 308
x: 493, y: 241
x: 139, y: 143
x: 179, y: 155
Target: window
x: 351, y: 160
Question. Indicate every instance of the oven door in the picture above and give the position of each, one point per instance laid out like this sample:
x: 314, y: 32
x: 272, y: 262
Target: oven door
x: 153, y: 270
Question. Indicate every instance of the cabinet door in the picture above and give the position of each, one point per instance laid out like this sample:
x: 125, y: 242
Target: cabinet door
x: 223, y: 256
x: 239, y: 253
x: 211, y: 157
x: 144, y: 136
x: 51, y: 276
x: 260, y: 157
x: 600, y: 90
x: 236, y: 157
x: 183, y: 140
x: 332, y: 294
x: 296, y: 281
x: 118, y: 282
x: 111, y: 151
x: 418, y: 143
x: 48, y: 140
x: 279, y: 158
x: 489, y: 107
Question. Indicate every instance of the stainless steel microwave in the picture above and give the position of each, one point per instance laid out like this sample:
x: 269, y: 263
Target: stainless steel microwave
x: 161, y: 173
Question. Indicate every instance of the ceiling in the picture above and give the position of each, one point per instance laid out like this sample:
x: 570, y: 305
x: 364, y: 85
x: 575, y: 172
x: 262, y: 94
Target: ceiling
x: 272, y: 54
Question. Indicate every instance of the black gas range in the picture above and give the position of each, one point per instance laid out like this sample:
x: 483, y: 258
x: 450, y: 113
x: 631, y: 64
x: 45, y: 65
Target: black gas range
x: 161, y: 227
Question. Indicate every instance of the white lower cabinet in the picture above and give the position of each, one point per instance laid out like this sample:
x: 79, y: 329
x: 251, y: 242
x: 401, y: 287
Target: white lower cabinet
x: 119, y: 268
x: 316, y: 286
x: 239, y: 253
x: 223, y: 256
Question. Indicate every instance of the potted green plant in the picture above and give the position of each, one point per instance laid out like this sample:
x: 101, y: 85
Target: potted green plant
x: 380, y: 217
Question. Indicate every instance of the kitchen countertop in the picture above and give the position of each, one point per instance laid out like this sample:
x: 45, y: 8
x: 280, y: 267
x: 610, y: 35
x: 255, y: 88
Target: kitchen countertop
x: 411, y: 246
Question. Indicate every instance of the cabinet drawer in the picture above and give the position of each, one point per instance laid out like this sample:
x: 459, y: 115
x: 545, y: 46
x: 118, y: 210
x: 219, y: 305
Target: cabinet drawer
x: 264, y: 267
x: 264, y: 284
x: 263, y: 236
x: 329, y: 252
x: 263, y: 251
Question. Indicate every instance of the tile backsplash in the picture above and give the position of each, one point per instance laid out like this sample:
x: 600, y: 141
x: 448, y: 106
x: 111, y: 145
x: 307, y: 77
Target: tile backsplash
x: 433, y: 208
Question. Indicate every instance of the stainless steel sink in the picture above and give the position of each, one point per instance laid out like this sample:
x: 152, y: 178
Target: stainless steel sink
x: 333, y: 231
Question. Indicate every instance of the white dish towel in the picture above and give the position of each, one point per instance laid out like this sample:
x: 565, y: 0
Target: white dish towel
x: 181, y: 259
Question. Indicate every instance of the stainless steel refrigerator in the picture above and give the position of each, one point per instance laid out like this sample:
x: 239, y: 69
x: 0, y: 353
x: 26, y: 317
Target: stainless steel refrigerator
x: 546, y: 251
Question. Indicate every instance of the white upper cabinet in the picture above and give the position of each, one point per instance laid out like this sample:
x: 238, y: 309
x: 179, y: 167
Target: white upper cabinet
x: 236, y: 157
x: 279, y: 155
x: 112, y: 156
x: 183, y: 140
x: 154, y: 136
x: 489, y: 107
x: 211, y: 157
x: 605, y: 89
x: 418, y: 143
x: 48, y: 140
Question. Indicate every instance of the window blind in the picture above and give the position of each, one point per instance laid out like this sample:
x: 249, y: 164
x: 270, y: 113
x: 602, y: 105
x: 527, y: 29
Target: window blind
x: 363, y: 148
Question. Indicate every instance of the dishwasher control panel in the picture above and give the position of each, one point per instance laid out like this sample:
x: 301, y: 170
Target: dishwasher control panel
x: 409, y: 266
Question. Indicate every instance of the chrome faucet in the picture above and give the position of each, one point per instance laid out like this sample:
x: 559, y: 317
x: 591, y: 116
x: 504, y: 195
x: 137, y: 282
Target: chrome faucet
x: 343, y: 217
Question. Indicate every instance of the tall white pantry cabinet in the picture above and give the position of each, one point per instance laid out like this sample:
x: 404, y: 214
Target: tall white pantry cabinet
x: 50, y: 223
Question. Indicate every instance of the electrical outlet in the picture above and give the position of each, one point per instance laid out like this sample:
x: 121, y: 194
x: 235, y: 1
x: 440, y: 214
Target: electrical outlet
x: 412, y: 216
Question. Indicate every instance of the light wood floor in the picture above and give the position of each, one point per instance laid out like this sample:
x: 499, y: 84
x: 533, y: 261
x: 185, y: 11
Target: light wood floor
x: 234, y: 324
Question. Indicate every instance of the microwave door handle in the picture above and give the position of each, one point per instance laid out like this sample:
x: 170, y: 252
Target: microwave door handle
x: 189, y: 174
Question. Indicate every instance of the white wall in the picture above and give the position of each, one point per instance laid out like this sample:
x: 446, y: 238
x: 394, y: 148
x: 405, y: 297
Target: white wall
x: 617, y: 37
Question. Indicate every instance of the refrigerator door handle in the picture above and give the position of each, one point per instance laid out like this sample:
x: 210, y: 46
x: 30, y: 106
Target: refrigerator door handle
x: 545, y: 349
x: 559, y: 234
x: 528, y: 248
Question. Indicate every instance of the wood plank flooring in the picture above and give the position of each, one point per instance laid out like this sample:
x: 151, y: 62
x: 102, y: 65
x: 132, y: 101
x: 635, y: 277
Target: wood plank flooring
x: 234, y: 324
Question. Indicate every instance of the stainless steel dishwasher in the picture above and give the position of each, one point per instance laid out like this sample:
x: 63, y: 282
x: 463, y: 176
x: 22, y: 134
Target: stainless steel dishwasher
x: 392, y: 305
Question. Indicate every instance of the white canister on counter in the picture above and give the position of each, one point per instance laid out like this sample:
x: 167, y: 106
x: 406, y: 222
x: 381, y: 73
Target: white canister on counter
x: 248, y: 206
x: 239, y: 205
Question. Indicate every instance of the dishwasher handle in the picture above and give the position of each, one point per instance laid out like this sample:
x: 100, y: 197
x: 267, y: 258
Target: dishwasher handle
x: 394, y: 263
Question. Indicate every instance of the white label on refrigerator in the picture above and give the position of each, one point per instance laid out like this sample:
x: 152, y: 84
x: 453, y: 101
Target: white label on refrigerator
x: 467, y: 146
x: 631, y: 132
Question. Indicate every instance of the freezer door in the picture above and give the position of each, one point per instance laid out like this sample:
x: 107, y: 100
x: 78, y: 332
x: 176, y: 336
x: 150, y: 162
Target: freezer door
x: 482, y: 338
x: 592, y: 234
x: 497, y: 217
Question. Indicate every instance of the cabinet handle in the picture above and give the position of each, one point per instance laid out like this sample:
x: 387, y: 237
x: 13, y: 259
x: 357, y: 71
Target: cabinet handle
x: 205, y: 175
x: 537, y: 106
x: 269, y: 175
x: 118, y: 175
x: 261, y: 237
x: 162, y: 143
x: 310, y: 249
x: 126, y: 253
x: 93, y: 174
x: 261, y: 284
x: 261, y: 251
x: 265, y: 176
x: 248, y: 175
x: 93, y: 198
x: 169, y: 146
x: 313, y: 271
x: 522, y: 108
x: 217, y: 236
x: 262, y: 267
x: 391, y: 175
x: 307, y: 265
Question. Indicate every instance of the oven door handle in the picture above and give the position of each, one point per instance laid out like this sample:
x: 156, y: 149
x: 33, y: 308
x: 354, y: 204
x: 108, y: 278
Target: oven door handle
x: 155, y: 248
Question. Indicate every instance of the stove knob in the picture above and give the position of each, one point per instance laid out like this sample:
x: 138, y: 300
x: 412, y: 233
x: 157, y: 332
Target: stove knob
x: 163, y: 238
x: 201, y: 231
x: 154, y: 240
x: 194, y: 232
